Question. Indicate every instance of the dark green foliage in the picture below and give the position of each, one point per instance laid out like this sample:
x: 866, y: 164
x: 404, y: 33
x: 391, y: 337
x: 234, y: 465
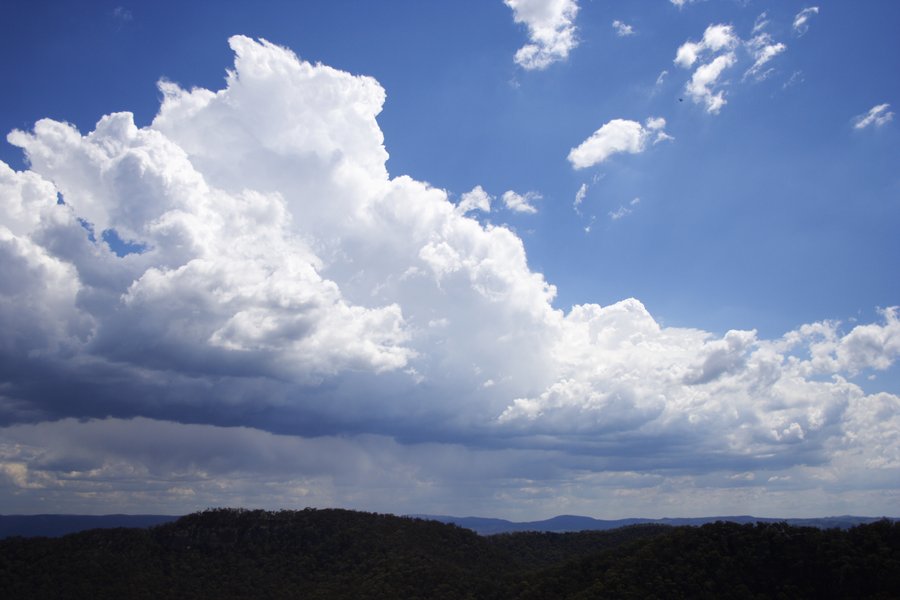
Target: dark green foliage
x: 727, y: 560
x: 228, y: 553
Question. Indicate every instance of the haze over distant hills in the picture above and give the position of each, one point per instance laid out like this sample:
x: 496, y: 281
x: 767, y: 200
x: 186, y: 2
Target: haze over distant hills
x: 52, y: 525
x: 566, y: 523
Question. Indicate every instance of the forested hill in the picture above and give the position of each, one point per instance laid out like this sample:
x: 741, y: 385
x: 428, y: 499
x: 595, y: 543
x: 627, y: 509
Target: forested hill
x: 228, y: 553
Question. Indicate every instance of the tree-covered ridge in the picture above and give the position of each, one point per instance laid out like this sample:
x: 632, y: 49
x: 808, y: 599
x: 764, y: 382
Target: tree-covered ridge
x: 228, y: 553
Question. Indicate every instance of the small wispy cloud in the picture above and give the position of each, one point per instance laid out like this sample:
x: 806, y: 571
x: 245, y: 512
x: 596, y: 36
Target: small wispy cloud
x: 580, y: 196
x: 122, y: 14
x: 876, y: 117
x: 795, y: 79
x: 761, y: 22
x: 623, y: 210
x: 661, y: 78
x: 763, y: 48
x: 801, y: 20
x: 622, y: 30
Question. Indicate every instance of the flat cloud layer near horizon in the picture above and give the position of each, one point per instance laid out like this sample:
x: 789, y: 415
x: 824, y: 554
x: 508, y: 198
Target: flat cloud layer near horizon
x: 296, y: 327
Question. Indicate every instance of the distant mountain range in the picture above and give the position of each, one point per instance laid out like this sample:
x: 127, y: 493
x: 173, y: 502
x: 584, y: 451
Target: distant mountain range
x: 566, y: 523
x: 59, y: 525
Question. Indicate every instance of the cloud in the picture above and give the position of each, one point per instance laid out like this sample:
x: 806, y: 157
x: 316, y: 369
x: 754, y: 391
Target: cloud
x: 301, y: 327
x: 623, y: 210
x: 121, y: 13
x: 716, y: 52
x: 715, y: 38
x: 551, y: 29
x: 864, y: 347
x: 763, y: 48
x: 795, y: 79
x: 876, y: 117
x: 622, y: 30
x: 681, y: 3
x: 520, y: 203
x: 618, y: 135
x: 699, y: 88
x: 761, y: 22
x: 477, y: 199
x: 801, y: 19
x: 580, y: 195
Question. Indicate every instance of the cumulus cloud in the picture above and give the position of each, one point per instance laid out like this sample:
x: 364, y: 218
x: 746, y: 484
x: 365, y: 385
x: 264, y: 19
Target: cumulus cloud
x: 622, y: 30
x: 717, y: 52
x: 876, y: 117
x: 716, y: 39
x: 476, y: 199
x: 551, y: 29
x: 300, y: 327
x: 618, y: 135
x: 801, y: 19
x: 700, y: 87
x: 519, y: 202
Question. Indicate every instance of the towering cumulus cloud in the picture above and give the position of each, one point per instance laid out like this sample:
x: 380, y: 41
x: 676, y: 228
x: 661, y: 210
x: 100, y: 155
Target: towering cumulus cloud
x: 238, y: 304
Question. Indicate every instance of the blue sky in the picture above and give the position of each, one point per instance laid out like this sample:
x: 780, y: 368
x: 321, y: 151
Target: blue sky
x: 690, y: 314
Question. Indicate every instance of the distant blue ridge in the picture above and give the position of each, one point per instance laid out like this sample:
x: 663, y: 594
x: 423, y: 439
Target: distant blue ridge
x: 59, y: 525
x: 567, y: 523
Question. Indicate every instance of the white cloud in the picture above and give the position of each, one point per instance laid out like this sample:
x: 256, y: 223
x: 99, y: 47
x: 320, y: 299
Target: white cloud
x: 551, y: 29
x: 763, y: 48
x: 801, y: 19
x: 681, y: 3
x: 344, y: 318
x: 623, y: 210
x: 580, y: 195
x: 876, y: 117
x: 477, y: 199
x: 520, y: 203
x: 700, y: 87
x: 661, y: 78
x: 622, y: 30
x: 795, y: 79
x: 715, y: 38
x: 717, y: 47
x: 761, y: 22
x: 122, y: 14
x: 618, y: 135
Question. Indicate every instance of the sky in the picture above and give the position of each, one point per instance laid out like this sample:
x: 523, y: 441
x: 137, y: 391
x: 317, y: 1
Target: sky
x: 505, y: 258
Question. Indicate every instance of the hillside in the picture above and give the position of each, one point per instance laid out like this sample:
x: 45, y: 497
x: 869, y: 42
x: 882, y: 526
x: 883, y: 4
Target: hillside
x: 229, y: 553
